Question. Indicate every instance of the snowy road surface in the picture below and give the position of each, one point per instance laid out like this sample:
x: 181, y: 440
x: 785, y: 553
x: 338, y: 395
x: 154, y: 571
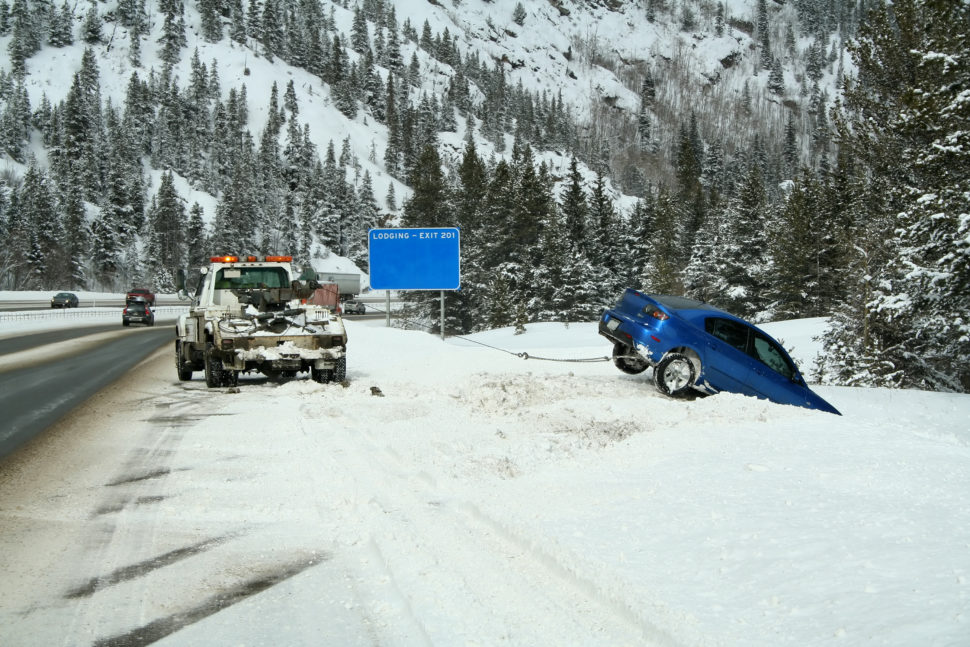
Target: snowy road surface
x: 35, y: 393
x: 482, y: 499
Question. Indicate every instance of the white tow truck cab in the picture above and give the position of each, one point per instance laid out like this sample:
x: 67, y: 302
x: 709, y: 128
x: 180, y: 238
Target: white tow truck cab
x: 250, y: 314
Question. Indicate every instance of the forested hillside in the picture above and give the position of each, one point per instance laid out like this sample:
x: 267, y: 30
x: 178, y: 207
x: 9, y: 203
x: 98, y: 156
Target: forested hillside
x: 778, y: 159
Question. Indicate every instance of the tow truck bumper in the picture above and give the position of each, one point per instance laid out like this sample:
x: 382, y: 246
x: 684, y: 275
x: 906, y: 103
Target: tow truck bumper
x: 282, y: 354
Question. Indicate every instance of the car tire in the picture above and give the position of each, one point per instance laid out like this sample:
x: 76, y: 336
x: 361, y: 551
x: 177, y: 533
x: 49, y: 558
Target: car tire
x: 623, y: 361
x: 124, y: 323
x: 183, y: 368
x: 674, y: 375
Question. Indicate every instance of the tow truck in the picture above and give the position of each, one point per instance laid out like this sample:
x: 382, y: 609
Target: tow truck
x: 250, y: 314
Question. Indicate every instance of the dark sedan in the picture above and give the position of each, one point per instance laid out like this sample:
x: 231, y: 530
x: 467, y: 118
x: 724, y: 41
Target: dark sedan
x: 693, y: 345
x: 64, y: 300
x: 137, y: 310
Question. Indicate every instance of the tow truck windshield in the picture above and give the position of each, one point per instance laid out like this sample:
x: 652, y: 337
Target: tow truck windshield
x: 246, y: 278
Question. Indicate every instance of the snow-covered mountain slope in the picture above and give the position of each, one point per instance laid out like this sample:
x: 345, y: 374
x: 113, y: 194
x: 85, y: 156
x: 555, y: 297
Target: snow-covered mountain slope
x: 594, y: 56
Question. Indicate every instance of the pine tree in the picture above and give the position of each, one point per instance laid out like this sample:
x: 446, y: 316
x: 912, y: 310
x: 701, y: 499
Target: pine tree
x: 106, y: 249
x: 661, y: 274
x: 61, y: 26
x: 905, y: 121
x: 795, y: 253
x: 427, y: 206
x: 745, y: 248
x: 574, y: 207
x: 690, y: 197
x: 77, y: 238
x: 776, y: 78
x: 518, y: 14
x: 91, y: 28
x: 606, y: 250
x: 211, y: 21
x: 38, y: 205
x: 272, y: 31
x: 703, y: 277
x: 196, y: 238
x: 359, y: 35
x: 764, y: 35
x: 393, y: 153
x: 78, y: 158
x: 173, y: 32
x: 15, y: 236
x: 237, y: 21
x: 15, y: 123
x: 169, y: 224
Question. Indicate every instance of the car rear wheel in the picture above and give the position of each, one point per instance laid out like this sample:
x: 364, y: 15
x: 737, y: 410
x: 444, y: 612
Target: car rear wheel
x: 627, y: 360
x: 674, y: 375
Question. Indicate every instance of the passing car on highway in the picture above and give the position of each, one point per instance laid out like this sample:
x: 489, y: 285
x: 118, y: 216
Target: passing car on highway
x: 144, y: 293
x: 64, y: 300
x: 694, y: 346
x: 137, y: 310
x: 354, y: 307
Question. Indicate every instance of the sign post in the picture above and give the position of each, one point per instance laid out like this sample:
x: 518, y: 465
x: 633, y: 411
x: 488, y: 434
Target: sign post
x: 416, y: 259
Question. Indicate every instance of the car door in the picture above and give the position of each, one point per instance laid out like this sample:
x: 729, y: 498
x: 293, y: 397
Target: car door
x: 774, y: 374
x: 727, y: 364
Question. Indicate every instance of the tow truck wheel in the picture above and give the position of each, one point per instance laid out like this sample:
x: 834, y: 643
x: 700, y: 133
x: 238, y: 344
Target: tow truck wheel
x: 340, y: 370
x: 321, y: 375
x: 184, y: 368
x: 213, y: 367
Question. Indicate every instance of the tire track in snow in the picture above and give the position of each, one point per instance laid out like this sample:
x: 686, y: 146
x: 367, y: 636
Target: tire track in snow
x: 486, y: 566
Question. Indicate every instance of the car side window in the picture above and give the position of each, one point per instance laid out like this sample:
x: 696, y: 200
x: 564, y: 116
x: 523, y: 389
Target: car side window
x: 730, y: 332
x: 768, y: 353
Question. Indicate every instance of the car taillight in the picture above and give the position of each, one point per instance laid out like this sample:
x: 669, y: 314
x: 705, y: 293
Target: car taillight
x: 658, y: 314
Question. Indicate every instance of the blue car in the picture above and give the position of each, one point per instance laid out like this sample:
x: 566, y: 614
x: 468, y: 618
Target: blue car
x: 692, y: 345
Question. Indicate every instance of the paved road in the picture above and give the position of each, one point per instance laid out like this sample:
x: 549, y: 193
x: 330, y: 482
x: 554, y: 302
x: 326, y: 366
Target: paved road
x: 32, y: 340
x: 35, y: 397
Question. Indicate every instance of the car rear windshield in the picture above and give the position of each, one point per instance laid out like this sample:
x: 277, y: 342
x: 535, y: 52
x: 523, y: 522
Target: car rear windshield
x: 680, y: 303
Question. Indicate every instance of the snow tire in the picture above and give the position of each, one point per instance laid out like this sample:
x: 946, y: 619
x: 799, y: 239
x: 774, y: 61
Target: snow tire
x: 674, y: 375
x: 627, y: 360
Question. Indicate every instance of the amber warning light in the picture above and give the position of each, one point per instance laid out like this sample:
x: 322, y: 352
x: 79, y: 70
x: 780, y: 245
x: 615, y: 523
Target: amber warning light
x: 250, y: 259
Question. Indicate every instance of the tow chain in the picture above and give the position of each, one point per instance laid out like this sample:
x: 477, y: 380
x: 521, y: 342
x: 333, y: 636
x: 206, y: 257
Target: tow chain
x: 583, y: 360
x: 522, y: 355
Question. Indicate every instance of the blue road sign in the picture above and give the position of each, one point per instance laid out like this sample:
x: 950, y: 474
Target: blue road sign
x: 415, y: 259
